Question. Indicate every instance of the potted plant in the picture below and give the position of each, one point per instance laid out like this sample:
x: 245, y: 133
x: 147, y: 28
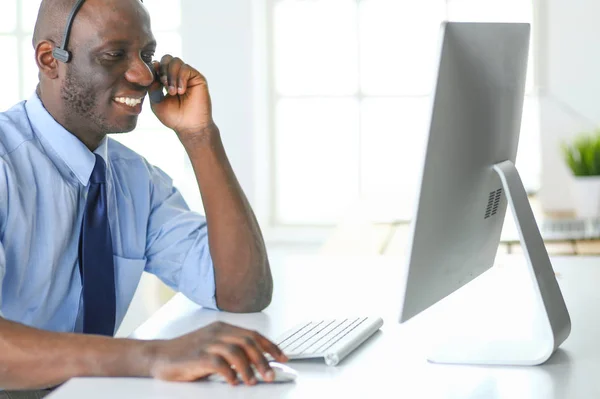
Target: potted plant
x: 582, y: 156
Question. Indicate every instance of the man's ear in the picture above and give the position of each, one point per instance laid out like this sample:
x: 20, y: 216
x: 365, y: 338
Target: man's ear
x: 47, y: 64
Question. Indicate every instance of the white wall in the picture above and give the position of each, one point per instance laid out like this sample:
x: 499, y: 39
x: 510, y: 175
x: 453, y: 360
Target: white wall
x: 569, y: 80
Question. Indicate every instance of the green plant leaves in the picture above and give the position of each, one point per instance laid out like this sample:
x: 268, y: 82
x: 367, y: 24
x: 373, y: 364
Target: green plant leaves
x: 582, y: 154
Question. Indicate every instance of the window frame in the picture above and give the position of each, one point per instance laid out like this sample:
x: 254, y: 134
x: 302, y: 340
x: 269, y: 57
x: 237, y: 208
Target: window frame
x: 267, y: 181
x: 20, y: 34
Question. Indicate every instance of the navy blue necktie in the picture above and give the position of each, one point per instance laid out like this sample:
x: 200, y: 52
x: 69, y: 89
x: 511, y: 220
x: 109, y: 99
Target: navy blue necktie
x: 96, y: 258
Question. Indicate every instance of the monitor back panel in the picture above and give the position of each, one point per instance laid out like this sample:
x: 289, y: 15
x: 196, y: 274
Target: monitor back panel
x: 475, y: 123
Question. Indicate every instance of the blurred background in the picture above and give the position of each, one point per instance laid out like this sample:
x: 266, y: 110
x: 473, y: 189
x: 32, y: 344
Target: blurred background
x: 323, y: 107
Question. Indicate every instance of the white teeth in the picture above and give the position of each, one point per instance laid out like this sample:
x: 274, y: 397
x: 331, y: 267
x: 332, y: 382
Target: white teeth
x: 132, y: 102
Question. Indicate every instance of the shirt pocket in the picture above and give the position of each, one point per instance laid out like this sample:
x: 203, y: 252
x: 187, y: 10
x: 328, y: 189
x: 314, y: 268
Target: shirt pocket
x: 128, y: 273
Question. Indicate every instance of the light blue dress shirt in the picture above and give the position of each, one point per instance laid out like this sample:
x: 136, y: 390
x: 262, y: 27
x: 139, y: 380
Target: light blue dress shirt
x: 44, y: 173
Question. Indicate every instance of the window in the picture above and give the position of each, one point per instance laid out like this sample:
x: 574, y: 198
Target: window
x: 151, y: 139
x: 15, y: 39
x: 350, y: 86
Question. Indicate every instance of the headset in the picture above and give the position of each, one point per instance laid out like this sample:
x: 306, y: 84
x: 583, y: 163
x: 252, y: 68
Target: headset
x: 61, y: 53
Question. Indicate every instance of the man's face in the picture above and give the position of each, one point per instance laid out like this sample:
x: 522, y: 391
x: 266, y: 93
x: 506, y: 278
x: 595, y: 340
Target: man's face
x: 112, y: 47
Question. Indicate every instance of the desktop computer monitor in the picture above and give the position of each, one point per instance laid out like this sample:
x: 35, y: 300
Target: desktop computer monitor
x: 468, y: 178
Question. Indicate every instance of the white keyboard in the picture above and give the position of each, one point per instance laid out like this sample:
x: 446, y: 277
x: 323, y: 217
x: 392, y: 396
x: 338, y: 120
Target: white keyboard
x: 332, y: 339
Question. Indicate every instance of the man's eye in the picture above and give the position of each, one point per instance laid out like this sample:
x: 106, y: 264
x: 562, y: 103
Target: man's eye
x: 147, y: 57
x: 114, y: 54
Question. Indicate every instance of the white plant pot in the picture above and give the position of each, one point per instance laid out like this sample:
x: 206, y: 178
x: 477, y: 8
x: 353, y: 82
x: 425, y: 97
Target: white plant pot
x: 586, y: 196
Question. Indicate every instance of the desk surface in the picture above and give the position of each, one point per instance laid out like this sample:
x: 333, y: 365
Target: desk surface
x: 394, y: 359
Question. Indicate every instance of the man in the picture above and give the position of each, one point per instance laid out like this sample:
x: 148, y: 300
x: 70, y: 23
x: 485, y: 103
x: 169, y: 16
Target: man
x: 81, y: 216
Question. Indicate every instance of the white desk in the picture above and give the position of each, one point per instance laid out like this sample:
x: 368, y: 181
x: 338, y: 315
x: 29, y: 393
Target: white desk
x: 393, y: 360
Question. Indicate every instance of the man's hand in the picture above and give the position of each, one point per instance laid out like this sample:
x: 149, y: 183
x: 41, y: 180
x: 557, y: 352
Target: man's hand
x: 187, y: 107
x: 215, y: 349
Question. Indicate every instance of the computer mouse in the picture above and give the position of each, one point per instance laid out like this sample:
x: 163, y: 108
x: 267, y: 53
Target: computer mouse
x: 282, y: 372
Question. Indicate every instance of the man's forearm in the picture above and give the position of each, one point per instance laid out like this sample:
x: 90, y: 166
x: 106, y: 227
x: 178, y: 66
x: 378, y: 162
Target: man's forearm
x: 242, y: 272
x: 34, y: 359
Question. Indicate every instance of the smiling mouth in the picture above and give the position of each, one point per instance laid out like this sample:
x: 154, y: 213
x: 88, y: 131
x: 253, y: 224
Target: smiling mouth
x: 131, y: 102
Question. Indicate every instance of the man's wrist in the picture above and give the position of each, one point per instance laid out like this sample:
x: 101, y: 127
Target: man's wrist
x: 122, y: 358
x: 199, y: 135
x: 147, y: 356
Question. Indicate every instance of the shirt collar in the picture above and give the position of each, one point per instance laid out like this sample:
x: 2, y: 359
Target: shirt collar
x: 68, y: 148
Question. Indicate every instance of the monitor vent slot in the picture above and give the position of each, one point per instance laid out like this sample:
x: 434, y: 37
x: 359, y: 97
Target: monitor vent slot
x: 493, y: 203
x: 497, y: 201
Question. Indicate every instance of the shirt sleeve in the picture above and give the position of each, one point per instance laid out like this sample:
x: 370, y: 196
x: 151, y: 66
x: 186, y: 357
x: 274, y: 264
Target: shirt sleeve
x: 177, y: 250
x: 2, y: 272
x: 3, y: 216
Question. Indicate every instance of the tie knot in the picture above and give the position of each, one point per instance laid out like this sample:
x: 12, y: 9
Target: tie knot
x: 99, y: 171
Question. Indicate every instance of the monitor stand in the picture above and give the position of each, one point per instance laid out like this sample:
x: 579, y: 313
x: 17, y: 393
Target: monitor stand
x: 550, y: 315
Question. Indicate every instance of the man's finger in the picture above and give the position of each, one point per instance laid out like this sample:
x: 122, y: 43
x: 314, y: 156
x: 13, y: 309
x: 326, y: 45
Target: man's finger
x: 164, y: 69
x: 173, y: 75
x: 184, y: 76
x: 237, y: 358
x: 155, y: 91
x: 270, y: 348
x: 254, y: 353
x: 219, y: 365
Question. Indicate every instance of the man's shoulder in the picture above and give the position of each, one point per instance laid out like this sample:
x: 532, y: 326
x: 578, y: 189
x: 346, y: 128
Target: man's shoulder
x: 128, y: 163
x: 120, y: 152
x: 15, y: 129
x: 124, y: 157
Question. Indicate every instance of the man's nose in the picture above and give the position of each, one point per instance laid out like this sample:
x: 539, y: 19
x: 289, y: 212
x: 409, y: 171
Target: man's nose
x: 140, y: 73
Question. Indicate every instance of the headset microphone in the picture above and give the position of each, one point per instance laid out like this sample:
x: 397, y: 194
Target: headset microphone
x: 61, y: 53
